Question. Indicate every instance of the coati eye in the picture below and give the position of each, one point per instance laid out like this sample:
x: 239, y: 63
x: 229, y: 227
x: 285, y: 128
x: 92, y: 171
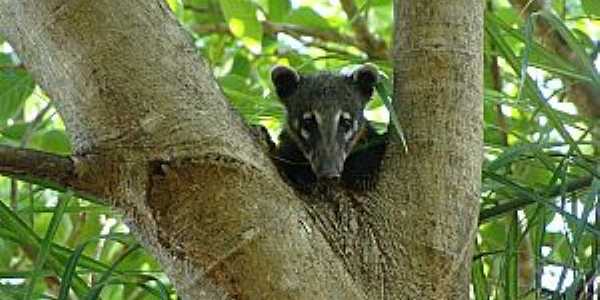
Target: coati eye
x: 308, y: 125
x: 345, y: 122
x: 308, y: 121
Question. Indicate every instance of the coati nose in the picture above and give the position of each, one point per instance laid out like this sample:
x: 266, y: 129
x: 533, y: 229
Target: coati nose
x: 328, y: 164
x: 328, y: 169
x: 329, y: 174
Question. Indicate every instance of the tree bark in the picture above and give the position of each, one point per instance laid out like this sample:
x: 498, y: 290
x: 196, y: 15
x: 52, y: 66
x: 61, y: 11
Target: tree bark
x: 149, y: 123
x: 438, y: 67
x: 141, y: 106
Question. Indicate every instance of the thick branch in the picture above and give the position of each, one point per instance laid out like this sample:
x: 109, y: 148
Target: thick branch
x: 180, y: 163
x: 49, y: 170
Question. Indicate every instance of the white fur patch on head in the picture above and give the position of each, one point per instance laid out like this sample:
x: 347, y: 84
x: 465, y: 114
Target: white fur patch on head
x: 304, y: 133
x: 336, y: 122
x: 336, y: 118
x: 348, y: 135
x: 346, y: 115
x: 317, y: 117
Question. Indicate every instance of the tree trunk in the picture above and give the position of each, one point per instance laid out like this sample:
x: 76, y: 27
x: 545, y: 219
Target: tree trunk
x: 438, y: 63
x: 154, y: 137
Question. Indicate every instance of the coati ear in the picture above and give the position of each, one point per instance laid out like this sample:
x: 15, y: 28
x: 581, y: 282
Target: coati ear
x: 285, y: 80
x: 365, y: 78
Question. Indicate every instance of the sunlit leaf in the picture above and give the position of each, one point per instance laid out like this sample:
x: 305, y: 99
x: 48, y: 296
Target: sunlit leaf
x: 15, y: 87
x: 306, y: 16
x: 591, y: 7
x: 55, y: 141
x: 278, y: 9
x: 44, y: 250
x: 243, y: 23
x: 106, y: 276
x: 176, y: 6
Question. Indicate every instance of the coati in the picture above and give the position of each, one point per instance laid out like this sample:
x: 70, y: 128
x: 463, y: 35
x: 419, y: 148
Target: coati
x: 326, y: 137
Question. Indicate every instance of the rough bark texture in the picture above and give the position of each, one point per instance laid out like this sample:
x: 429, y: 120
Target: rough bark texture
x: 134, y: 95
x: 146, y: 117
x: 433, y: 190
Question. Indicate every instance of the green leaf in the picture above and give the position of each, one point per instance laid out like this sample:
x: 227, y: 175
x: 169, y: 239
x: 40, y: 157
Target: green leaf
x: 73, y: 262
x: 541, y: 57
x: 510, y: 155
x: 104, y: 280
x: 398, y: 134
x: 42, y: 255
x: 591, y: 7
x: 8, y: 250
x: 278, y: 9
x: 241, y: 19
x: 233, y: 82
x: 247, y: 99
x: 306, y: 16
x: 241, y: 65
x: 177, y: 7
x: 478, y: 280
x: 528, y: 85
x: 361, y: 3
x: 508, y: 15
x: 574, y: 44
x: 524, y: 194
x: 15, y: 131
x: 15, y: 87
x: 55, y: 141
x: 511, y: 265
x: 27, y: 238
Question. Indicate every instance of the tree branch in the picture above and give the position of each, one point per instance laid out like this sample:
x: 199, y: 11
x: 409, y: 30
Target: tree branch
x: 153, y: 132
x: 585, y: 96
x: 49, y: 170
x: 521, y: 202
x: 296, y: 31
x: 372, y: 45
x: 196, y: 9
x: 12, y: 66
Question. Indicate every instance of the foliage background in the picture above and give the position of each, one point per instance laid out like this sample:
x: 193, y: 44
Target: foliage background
x: 539, y: 231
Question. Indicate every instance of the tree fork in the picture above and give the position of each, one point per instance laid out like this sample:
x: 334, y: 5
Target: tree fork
x: 129, y: 85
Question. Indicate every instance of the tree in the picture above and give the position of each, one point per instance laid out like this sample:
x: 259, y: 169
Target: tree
x: 153, y: 136
x: 133, y: 149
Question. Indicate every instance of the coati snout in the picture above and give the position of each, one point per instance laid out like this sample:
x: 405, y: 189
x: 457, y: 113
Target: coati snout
x: 325, y: 113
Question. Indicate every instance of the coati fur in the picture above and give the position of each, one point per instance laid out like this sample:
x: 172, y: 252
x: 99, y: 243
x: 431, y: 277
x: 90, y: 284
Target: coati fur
x: 326, y: 138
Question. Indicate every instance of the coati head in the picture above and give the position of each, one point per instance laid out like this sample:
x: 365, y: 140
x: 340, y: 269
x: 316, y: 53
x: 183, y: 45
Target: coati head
x: 325, y: 113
